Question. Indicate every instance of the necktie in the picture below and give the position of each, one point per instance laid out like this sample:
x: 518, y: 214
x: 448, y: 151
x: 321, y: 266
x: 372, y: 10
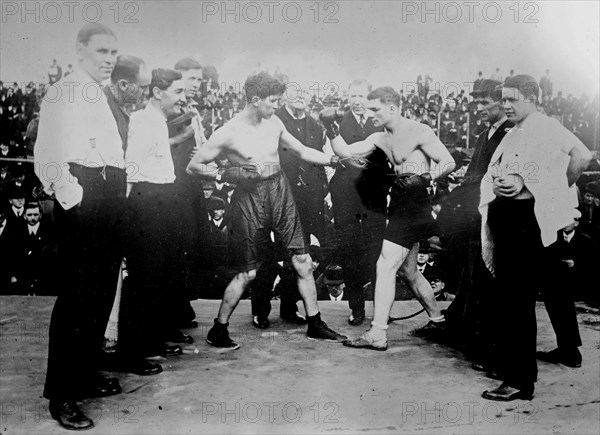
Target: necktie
x: 362, y: 121
x: 491, y: 132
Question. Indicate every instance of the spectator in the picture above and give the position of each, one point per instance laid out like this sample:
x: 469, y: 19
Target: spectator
x: 546, y: 87
x: 569, y: 275
x: 37, y: 244
x: 54, y: 72
x: 330, y: 285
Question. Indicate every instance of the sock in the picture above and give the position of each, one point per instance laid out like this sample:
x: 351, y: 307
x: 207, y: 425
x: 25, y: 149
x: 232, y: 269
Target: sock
x: 438, y: 319
x: 313, y: 319
x: 377, y: 332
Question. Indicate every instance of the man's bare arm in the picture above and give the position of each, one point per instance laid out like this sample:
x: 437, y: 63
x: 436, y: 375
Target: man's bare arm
x: 580, y: 159
x: 437, y: 152
x: 201, y: 164
x: 358, y: 149
x: 293, y: 145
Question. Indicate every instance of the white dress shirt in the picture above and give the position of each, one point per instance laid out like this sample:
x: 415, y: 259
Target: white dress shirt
x: 76, y: 126
x: 148, y: 150
x: 538, y: 150
x: 495, y: 127
x: 338, y: 298
x: 33, y: 229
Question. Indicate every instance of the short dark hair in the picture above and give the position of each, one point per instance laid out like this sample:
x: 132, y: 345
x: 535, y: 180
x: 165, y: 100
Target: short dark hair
x: 32, y: 204
x: 127, y: 68
x: 262, y: 85
x: 524, y: 83
x: 163, y: 78
x: 385, y: 94
x: 91, y: 29
x: 187, y: 64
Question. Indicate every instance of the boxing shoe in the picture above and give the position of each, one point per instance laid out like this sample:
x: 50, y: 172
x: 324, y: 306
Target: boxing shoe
x: 365, y: 341
x: 318, y: 330
x: 68, y: 414
x: 218, y: 336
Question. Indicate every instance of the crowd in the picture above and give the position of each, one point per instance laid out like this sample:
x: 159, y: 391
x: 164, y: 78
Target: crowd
x: 179, y: 236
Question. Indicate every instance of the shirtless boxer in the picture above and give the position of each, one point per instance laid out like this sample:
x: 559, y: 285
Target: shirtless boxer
x: 410, y: 147
x: 262, y: 201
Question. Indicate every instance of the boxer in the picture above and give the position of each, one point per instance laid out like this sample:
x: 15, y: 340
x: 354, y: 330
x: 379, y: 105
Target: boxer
x: 411, y: 147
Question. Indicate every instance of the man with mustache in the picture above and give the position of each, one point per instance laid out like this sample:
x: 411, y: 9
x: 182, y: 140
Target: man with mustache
x: 262, y: 201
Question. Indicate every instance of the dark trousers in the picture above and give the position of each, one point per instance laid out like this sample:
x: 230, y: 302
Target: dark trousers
x: 89, y: 255
x: 358, y: 244
x: 558, y: 295
x: 518, y: 257
x: 150, y: 295
x: 468, y: 314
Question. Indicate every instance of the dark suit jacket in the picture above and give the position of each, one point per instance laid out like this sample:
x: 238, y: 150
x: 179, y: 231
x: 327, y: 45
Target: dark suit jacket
x: 300, y: 173
x: 347, y: 183
x: 468, y: 194
x: 120, y: 116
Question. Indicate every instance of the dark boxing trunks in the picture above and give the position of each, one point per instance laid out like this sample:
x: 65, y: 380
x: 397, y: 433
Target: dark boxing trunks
x: 409, y: 216
x: 257, y: 209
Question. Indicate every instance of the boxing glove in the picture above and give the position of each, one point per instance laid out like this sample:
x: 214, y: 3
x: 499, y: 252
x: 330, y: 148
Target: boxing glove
x: 412, y: 182
x: 330, y: 118
x: 240, y: 174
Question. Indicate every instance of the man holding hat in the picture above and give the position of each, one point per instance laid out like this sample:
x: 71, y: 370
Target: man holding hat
x: 527, y: 195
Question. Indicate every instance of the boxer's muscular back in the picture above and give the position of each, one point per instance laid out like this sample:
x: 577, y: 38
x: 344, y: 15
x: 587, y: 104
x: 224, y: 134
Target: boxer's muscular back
x: 255, y: 145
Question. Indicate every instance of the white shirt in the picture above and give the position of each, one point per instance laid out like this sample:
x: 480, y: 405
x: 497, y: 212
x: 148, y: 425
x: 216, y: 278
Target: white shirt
x: 568, y: 236
x: 495, y: 127
x: 538, y: 150
x: 337, y: 299
x: 33, y: 229
x: 76, y: 126
x: 357, y: 117
x: 148, y: 150
x: 17, y: 211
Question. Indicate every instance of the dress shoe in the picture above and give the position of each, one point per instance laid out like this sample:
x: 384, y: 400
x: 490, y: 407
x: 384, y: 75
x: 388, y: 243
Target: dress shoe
x: 260, y: 322
x: 104, y: 387
x: 433, y: 329
x: 69, y: 415
x: 356, y: 318
x: 570, y: 358
x: 171, y: 350
x: 140, y: 367
x: 506, y: 393
x: 296, y: 318
x: 179, y: 337
x: 189, y: 325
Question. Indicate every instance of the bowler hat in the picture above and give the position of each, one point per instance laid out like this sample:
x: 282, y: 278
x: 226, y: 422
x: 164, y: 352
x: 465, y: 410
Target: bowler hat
x: 333, y: 275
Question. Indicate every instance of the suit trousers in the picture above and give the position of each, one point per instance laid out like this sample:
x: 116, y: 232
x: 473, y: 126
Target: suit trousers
x: 89, y: 255
x: 518, y: 257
